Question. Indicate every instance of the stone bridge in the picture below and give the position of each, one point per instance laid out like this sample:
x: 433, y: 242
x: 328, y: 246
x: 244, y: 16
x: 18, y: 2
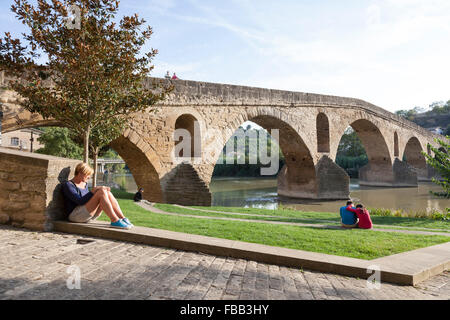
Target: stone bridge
x: 310, y: 128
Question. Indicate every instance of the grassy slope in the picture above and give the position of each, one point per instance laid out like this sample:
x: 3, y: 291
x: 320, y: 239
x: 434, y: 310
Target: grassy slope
x: 355, y: 243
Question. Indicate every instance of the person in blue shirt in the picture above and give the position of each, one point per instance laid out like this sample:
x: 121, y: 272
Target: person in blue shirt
x: 82, y: 205
x: 348, y: 218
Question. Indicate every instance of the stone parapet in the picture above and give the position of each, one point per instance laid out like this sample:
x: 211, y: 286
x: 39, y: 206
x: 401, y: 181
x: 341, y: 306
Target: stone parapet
x: 198, y: 93
x: 30, y: 194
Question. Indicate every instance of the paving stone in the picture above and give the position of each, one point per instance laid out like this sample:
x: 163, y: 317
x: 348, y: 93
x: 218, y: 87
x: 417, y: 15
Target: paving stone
x: 290, y: 290
x: 316, y: 290
x: 219, y: 284
x: 208, y: 276
x: 249, y: 281
x: 191, y: 279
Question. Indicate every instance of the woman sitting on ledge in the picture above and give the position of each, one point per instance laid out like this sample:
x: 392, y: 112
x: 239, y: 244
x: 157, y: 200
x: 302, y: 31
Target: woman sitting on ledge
x: 83, y: 205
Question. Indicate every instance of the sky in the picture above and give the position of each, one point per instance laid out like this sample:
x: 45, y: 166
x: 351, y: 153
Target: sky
x: 392, y: 53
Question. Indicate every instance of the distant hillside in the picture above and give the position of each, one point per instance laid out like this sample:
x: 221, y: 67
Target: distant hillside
x: 432, y: 120
x: 438, y: 116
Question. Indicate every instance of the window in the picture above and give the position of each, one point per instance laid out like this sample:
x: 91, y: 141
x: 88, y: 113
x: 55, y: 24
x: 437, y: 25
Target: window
x: 15, y: 141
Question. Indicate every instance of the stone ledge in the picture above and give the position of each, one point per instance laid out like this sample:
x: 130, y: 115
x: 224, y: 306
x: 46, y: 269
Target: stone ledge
x: 29, y: 155
x: 408, y: 268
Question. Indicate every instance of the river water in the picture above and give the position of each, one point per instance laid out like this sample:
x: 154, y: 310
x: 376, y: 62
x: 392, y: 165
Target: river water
x: 262, y: 193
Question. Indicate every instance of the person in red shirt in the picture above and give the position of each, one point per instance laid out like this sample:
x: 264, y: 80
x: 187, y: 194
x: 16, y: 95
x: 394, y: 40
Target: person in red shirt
x: 363, y: 215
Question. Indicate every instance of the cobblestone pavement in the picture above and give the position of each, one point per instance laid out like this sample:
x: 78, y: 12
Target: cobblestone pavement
x: 36, y: 265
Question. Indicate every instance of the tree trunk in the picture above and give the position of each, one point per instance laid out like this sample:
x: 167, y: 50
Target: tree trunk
x: 86, y: 145
x: 94, y: 179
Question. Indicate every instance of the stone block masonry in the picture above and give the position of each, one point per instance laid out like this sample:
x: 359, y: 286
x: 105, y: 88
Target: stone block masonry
x: 310, y: 127
x: 30, y: 188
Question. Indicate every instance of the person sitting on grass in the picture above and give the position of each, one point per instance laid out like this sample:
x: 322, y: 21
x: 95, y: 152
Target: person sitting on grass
x: 364, y: 221
x: 348, y: 218
x: 138, y: 195
x: 82, y: 205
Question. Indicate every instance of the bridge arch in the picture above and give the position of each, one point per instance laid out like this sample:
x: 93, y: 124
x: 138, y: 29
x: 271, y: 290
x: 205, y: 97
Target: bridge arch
x: 143, y: 166
x: 323, y: 133
x: 297, y: 178
x: 18, y: 124
x: 378, y: 171
x: 414, y: 157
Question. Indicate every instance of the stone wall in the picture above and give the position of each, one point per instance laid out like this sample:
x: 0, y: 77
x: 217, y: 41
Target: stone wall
x: 30, y: 194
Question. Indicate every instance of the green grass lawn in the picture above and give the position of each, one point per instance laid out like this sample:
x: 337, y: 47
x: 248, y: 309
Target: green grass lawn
x: 325, y: 217
x: 363, y: 244
x: 251, y: 215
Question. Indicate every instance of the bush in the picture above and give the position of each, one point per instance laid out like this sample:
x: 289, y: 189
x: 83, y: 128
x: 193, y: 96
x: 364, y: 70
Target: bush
x: 441, y: 163
x: 434, y: 214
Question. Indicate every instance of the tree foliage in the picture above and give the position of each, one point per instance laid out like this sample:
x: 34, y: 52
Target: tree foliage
x: 441, y: 163
x: 94, y: 76
x: 350, y: 145
x: 440, y: 107
x: 351, y: 154
x: 242, y: 166
x: 58, y: 142
x: 101, y: 136
x: 410, y: 114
